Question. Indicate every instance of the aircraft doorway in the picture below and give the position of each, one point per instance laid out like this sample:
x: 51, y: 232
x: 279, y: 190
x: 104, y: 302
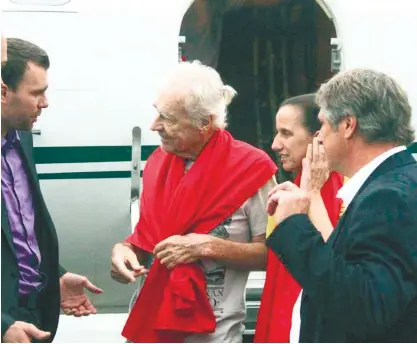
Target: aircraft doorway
x: 268, y: 50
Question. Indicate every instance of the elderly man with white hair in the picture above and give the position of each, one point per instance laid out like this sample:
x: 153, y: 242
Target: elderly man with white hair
x: 202, y: 218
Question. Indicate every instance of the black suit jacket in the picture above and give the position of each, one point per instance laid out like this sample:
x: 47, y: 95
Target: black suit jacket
x: 360, y: 286
x: 49, y: 305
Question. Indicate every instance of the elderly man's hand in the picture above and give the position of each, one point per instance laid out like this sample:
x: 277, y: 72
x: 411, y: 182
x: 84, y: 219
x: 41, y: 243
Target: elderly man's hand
x: 286, y: 200
x: 181, y: 249
x: 125, y: 267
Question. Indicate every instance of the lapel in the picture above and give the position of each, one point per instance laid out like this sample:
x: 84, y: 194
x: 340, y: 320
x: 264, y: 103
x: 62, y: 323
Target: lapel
x: 5, y: 225
x: 413, y: 148
x: 26, y: 147
x: 335, y: 234
x: 402, y: 158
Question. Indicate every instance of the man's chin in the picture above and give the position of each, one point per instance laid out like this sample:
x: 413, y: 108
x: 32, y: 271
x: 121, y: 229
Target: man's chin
x: 166, y: 148
x: 28, y: 127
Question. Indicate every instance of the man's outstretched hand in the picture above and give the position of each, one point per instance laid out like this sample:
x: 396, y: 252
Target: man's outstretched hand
x: 74, y: 300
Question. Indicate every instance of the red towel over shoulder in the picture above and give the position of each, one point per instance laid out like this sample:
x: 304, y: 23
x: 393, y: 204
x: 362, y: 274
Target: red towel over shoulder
x: 173, y: 304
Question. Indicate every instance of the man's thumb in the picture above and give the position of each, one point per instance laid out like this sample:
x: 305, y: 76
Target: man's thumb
x: 33, y: 332
x: 92, y: 288
x: 134, y: 263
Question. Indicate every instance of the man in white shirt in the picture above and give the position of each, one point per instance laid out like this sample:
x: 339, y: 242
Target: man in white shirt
x: 360, y: 286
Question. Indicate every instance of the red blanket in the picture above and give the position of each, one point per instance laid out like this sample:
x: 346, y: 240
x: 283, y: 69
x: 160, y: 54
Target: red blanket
x: 173, y: 304
x: 281, y: 289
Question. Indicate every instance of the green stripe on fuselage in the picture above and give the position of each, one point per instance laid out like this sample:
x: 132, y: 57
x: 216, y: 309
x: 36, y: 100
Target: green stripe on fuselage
x: 57, y: 155
x: 86, y: 175
x: 85, y: 154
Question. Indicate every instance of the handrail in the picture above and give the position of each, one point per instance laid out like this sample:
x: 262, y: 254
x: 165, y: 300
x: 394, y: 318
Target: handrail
x: 135, y: 176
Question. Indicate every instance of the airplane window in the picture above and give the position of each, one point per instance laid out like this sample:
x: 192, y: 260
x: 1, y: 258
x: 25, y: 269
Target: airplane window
x: 41, y: 2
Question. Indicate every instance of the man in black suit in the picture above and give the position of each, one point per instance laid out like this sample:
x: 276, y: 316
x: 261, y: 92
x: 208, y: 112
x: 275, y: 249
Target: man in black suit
x: 360, y: 286
x: 33, y: 285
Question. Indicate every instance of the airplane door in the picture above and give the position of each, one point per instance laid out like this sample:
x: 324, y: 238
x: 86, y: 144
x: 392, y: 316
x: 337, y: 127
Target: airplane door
x: 379, y: 35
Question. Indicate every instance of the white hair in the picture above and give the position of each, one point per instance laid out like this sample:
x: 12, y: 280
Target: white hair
x: 202, y: 93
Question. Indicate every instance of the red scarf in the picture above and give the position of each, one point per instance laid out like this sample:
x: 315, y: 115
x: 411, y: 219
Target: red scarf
x: 281, y: 289
x: 173, y: 304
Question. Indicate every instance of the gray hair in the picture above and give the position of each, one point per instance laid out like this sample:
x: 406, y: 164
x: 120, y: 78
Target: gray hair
x: 203, y: 93
x: 379, y: 104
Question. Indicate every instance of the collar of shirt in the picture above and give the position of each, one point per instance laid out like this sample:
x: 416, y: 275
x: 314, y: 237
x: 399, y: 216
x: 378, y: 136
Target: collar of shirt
x: 10, y: 139
x: 352, y: 186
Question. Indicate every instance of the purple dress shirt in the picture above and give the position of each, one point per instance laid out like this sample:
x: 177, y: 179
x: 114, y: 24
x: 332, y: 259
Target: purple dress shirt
x: 18, y: 199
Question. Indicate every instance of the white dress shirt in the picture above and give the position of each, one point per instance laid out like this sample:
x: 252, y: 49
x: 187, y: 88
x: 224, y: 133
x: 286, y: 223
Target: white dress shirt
x: 347, y: 193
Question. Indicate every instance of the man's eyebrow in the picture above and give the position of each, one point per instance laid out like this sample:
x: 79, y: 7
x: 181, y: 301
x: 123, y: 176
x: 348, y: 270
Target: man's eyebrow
x: 41, y: 90
x: 163, y: 113
x: 159, y: 111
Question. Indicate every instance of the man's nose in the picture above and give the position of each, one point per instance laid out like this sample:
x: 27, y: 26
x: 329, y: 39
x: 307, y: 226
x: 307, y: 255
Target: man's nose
x: 156, y: 125
x: 44, y: 103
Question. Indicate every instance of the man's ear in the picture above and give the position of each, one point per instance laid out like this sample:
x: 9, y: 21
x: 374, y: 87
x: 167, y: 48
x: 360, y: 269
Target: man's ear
x: 3, y: 93
x: 350, y: 125
x: 207, y: 125
x: 211, y: 120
